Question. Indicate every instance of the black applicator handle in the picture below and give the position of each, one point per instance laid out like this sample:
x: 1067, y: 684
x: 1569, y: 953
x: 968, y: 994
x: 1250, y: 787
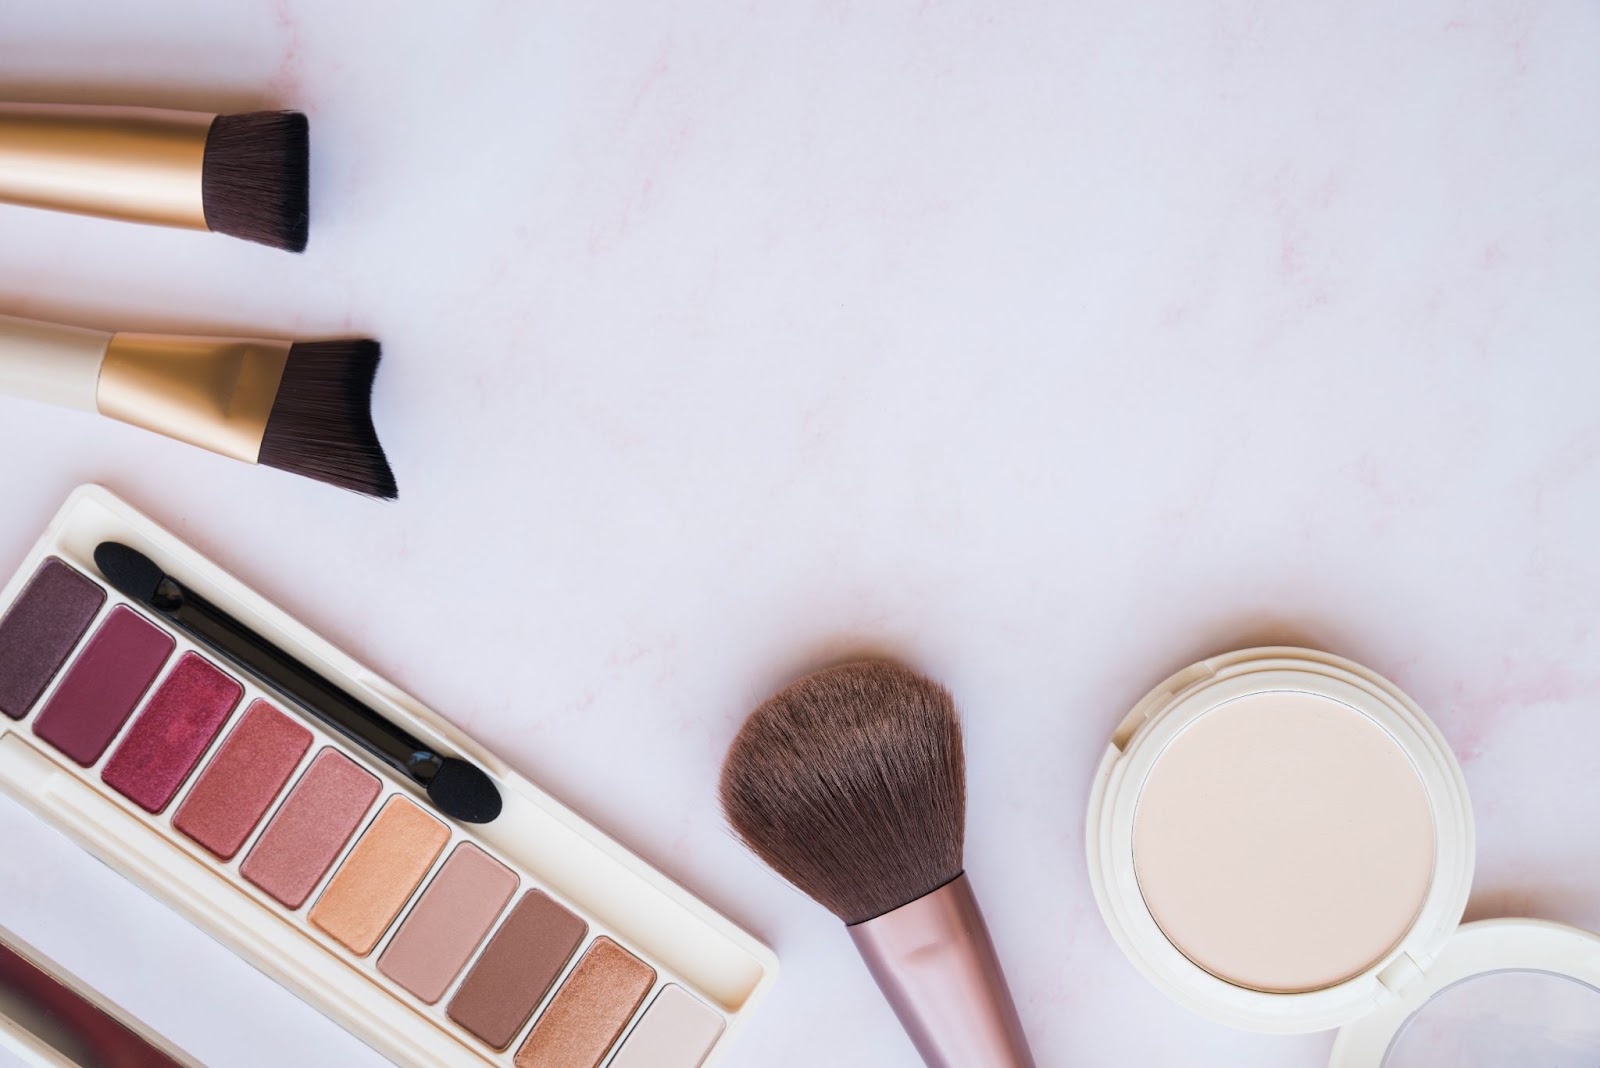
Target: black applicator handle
x: 457, y: 788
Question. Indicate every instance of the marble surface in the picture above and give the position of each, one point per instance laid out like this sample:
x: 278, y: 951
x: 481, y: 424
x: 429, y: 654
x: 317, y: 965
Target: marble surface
x: 1048, y: 346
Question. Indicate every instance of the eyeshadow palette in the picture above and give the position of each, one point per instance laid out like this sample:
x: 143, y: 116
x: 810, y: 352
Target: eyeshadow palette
x: 531, y: 941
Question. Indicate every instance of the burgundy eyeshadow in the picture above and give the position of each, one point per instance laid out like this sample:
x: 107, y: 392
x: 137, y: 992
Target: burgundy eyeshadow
x: 251, y: 766
x: 38, y: 632
x: 103, y: 686
x: 170, y: 735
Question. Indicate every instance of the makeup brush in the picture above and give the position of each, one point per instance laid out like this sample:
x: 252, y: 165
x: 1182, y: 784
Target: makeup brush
x: 456, y: 787
x: 304, y: 407
x: 241, y: 175
x: 851, y: 784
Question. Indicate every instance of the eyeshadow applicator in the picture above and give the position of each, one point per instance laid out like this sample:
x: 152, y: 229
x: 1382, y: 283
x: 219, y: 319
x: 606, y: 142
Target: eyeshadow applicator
x: 456, y: 787
x: 851, y: 784
x: 304, y: 407
x: 241, y: 175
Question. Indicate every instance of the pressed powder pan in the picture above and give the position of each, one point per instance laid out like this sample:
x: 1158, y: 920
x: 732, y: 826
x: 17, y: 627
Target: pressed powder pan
x: 1282, y: 841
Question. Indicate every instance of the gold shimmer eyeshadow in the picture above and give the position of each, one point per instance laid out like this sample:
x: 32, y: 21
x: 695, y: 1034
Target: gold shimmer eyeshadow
x: 590, y: 1010
x: 379, y: 876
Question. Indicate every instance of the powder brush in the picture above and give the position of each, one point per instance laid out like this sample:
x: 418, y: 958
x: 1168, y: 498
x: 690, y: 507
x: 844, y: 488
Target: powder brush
x: 241, y: 175
x: 851, y: 784
x: 304, y: 407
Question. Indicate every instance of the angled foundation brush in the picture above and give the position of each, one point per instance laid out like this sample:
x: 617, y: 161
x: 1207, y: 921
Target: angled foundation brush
x: 851, y: 784
x: 241, y: 175
x: 304, y: 407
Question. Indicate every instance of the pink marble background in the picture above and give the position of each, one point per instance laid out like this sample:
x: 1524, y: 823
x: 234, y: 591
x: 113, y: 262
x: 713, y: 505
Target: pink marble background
x: 1046, y: 345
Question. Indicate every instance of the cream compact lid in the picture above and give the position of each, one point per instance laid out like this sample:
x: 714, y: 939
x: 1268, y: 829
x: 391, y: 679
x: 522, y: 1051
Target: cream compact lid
x: 1502, y: 992
x: 1282, y: 841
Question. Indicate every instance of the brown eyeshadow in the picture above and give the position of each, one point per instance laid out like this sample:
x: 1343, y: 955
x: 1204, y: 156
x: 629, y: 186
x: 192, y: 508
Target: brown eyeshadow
x: 590, y: 1010
x: 517, y: 969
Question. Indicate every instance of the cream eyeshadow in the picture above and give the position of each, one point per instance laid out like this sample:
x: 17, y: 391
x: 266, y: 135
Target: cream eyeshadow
x: 1283, y: 842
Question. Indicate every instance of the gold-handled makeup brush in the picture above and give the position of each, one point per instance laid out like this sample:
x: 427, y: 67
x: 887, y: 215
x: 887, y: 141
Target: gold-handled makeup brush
x: 242, y: 175
x: 851, y: 784
x: 304, y: 407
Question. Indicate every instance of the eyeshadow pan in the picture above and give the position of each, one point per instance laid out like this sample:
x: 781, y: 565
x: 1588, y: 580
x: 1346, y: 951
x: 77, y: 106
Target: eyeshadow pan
x: 516, y: 969
x: 315, y: 821
x: 590, y: 1010
x: 449, y: 921
x: 676, y: 1031
x: 103, y: 686
x: 38, y: 633
x: 172, y: 733
x: 236, y: 788
x: 379, y: 876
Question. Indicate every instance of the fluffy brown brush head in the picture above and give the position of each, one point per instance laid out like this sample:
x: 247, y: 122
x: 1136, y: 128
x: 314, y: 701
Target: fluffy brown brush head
x: 851, y: 784
x: 321, y: 421
x: 254, y: 182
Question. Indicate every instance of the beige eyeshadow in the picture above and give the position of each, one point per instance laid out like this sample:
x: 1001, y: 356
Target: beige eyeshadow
x: 379, y: 876
x: 676, y: 1031
x: 449, y: 921
x: 1284, y: 842
x: 583, y: 1020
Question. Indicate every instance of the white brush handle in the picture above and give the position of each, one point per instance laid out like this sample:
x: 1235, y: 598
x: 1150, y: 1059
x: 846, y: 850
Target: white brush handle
x: 55, y: 364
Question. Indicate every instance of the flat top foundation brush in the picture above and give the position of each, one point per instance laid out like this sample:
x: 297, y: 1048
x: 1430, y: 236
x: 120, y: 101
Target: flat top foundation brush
x: 851, y: 784
x: 304, y: 407
x: 242, y: 175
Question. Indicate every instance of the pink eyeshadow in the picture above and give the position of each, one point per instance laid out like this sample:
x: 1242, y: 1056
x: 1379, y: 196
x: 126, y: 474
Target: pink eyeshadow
x: 172, y: 733
x: 103, y: 686
x: 251, y: 766
x: 321, y: 813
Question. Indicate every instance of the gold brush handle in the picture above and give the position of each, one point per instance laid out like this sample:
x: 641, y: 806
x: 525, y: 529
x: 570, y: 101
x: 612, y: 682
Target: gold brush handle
x: 138, y: 164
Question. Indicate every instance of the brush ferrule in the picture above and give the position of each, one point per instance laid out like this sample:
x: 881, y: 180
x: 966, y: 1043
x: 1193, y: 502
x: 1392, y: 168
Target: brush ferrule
x: 216, y: 393
x: 140, y: 164
x: 935, y: 962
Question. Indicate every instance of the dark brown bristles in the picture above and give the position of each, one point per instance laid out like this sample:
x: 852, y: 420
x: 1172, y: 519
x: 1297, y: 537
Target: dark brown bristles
x: 851, y: 784
x: 254, y: 182
x: 321, y: 421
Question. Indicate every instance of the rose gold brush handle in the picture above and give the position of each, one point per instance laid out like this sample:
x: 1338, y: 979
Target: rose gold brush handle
x: 936, y: 964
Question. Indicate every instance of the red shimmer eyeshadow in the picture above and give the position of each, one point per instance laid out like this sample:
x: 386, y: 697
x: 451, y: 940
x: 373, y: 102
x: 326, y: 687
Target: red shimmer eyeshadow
x: 313, y: 824
x: 172, y: 733
x: 237, y: 787
x: 103, y: 686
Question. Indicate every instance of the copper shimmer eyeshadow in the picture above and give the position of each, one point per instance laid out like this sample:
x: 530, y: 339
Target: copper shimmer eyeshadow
x: 379, y: 876
x: 448, y: 922
x: 170, y: 735
x: 517, y: 969
x: 38, y: 632
x: 103, y: 686
x: 583, y: 1020
x: 321, y: 813
x: 236, y: 788
x: 676, y: 1031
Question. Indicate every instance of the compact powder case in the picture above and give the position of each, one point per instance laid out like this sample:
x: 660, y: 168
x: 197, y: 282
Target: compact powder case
x: 1282, y: 841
